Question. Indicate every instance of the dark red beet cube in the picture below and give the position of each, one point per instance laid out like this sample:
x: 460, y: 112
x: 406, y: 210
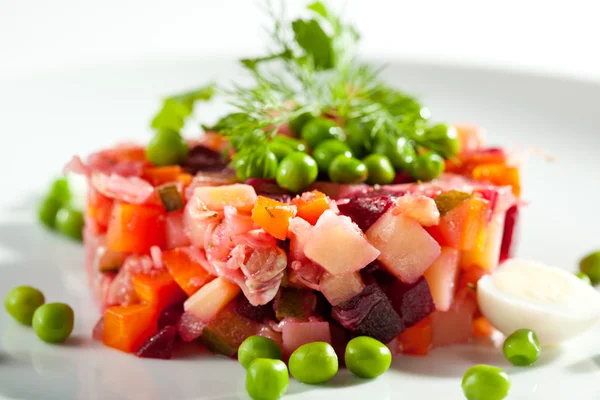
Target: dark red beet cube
x: 411, y: 302
x: 364, y: 211
x: 189, y: 327
x: 255, y: 313
x: 201, y: 158
x: 369, y: 313
x: 160, y: 345
x: 510, y: 224
x: 170, y: 315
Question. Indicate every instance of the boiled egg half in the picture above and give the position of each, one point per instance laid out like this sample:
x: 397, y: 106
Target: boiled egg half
x: 550, y: 301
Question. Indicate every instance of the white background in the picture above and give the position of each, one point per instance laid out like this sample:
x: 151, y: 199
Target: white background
x: 558, y: 37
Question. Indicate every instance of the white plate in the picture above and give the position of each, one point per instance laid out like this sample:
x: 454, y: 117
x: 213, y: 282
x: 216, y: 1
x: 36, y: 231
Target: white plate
x: 47, y: 118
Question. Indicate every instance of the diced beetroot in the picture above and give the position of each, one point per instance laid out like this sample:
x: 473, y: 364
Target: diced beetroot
x: 441, y: 277
x: 201, y: 158
x: 337, y: 245
x: 364, y: 211
x: 342, y: 287
x: 189, y: 327
x: 255, y: 313
x: 454, y: 326
x: 339, y: 191
x: 510, y: 224
x: 296, y: 334
x: 170, y: 315
x: 98, y: 329
x: 407, y: 250
x: 160, y: 345
x: 269, y: 188
x: 369, y: 314
x: 419, y: 207
x: 339, y: 341
x: 412, y: 302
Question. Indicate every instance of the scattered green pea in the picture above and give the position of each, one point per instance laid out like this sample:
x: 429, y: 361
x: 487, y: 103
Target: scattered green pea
x: 70, y: 223
x: 347, y: 170
x: 358, y: 138
x: 280, y: 149
x: 296, y: 172
x: 53, y: 322
x: 60, y: 191
x: 328, y: 150
x: 295, y: 144
x: 264, y: 167
x: 522, y: 348
x: 443, y: 139
x: 584, y: 277
x: 367, y: 357
x: 427, y: 166
x: 47, y: 210
x: 320, y: 129
x: 399, y: 151
x: 267, y: 379
x: 297, y: 123
x: 380, y: 169
x: 22, y: 301
x: 590, y: 265
x: 314, y: 363
x: 257, y: 347
x: 484, y: 382
x: 167, y: 147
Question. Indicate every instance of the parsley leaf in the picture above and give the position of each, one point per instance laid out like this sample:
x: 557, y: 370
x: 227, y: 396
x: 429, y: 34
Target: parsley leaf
x: 312, y: 38
x: 177, y: 108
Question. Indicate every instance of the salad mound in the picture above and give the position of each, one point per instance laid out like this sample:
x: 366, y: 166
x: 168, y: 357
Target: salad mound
x: 324, y: 207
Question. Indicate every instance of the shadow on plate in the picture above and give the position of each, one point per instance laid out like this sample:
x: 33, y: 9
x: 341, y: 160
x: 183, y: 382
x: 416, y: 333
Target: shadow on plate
x: 586, y: 365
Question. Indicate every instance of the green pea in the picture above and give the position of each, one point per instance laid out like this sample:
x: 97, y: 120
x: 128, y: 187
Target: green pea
x: 295, y: 144
x: 254, y: 167
x: 328, y: 150
x: 444, y: 139
x: 347, y: 170
x: 70, y: 223
x: 522, y: 348
x: 398, y: 150
x: 584, y: 277
x: 314, y: 363
x: 60, y: 191
x: 297, y: 123
x: 257, y: 347
x: 484, y: 382
x: 590, y: 265
x: 166, y: 148
x: 427, y: 167
x: 358, y: 138
x: 381, y: 170
x: 267, y: 379
x: 319, y: 130
x: 53, y: 322
x: 297, y: 171
x: 22, y: 301
x: 47, y: 210
x: 280, y: 149
x: 367, y: 357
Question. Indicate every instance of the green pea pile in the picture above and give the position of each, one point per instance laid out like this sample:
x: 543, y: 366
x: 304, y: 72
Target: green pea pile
x: 313, y: 363
x: 348, y: 155
x: 52, y: 322
x: 56, y: 212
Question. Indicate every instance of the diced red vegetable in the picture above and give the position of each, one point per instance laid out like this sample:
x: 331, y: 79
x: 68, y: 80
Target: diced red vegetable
x: 160, y: 175
x: 135, y: 228
x: 188, y: 274
x: 99, y: 209
x: 159, y: 345
x: 463, y: 227
x: 418, y: 339
x: 126, y: 328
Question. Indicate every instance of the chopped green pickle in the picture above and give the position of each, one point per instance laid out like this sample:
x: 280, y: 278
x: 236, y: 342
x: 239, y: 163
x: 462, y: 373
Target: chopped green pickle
x: 227, y: 331
x: 448, y: 201
x: 296, y: 303
x: 170, y: 197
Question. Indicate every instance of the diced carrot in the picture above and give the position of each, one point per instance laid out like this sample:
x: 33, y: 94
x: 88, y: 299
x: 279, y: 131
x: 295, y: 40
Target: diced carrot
x: 158, y: 288
x: 100, y: 209
x: 185, y: 179
x: 129, y: 153
x: 126, y: 328
x: 311, y: 205
x: 463, y: 227
x: 418, y: 339
x: 135, y: 228
x: 466, y: 287
x: 207, y: 302
x: 188, y: 274
x: 160, y: 175
x: 482, y: 327
x: 500, y: 175
x: 273, y: 216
